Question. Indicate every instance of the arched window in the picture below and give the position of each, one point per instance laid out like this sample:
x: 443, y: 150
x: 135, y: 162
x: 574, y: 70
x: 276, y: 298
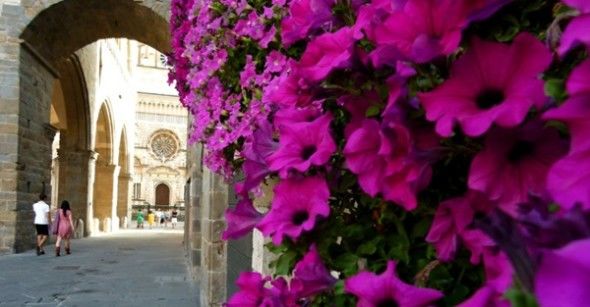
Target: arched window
x: 162, y: 195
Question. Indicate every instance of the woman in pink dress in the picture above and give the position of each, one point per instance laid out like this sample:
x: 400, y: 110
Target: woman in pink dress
x: 64, y: 228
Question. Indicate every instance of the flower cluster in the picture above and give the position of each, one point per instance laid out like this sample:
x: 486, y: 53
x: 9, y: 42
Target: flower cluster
x: 440, y: 142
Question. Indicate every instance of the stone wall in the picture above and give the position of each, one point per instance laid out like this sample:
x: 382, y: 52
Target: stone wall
x: 214, y: 200
x: 35, y: 137
x: 9, y: 126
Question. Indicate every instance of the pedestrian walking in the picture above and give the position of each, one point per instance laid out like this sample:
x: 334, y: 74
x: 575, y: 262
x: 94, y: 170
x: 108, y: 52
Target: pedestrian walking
x: 140, y: 219
x: 64, y: 227
x: 151, y: 218
x: 42, y: 218
x: 174, y: 219
x: 162, y: 218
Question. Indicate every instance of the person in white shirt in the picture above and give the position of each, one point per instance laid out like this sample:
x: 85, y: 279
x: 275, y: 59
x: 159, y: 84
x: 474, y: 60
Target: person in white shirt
x: 42, y: 218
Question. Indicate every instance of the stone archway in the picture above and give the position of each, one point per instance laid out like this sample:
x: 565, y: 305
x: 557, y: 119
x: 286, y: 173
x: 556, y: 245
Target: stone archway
x: 74, y: 158
x: 38, y: 38
x: 105, y: 191
x: 124, y: 182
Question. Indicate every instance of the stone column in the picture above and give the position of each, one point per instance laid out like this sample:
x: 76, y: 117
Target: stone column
x: 25, y: 134
x: 115, y: 199
x: 89, y: 224
x: 195, y: 220
x: 124, y: 198
x: 105, y: 195
x: 192, y: 210
x: 74, y: 180
x: 214, y: 198
x: 9, y: 128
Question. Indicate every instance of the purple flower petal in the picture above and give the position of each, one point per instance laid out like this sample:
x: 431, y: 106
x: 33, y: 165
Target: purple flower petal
x: 563, y: 278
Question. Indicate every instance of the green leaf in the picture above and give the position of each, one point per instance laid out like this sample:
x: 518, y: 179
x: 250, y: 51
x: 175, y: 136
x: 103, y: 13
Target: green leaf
x: 367, y: 248
x: 284, y: 263
x: 373, y: 111
x: 347, y: 263
x: 521, y: 298
x: 421, y: 228
x: 555, y: 88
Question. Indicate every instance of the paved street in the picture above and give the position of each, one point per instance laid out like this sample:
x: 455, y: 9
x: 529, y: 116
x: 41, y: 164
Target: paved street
x: 130, y: 268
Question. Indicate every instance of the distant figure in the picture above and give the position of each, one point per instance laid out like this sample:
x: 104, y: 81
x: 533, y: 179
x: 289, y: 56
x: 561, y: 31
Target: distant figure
x: 162, y: 218
x: 65, y: 228
x: 140, y: 219
x: 151, y: 218
x: 174, y: 219
x: 166, y: 218
x: 42, y: 218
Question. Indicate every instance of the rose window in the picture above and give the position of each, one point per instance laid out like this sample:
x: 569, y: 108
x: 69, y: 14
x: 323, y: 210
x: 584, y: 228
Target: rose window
x: 164, y: 146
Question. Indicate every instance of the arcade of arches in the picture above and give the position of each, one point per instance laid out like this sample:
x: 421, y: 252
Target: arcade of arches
x: 51, y: 97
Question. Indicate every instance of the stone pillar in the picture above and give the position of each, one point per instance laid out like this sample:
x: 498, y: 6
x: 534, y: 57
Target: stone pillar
x: 214, y: 199
x: 114, y: 220
x: 105, y: 193
x: 123, y: 198
x: 261, y: 257
x: 192, y: 210
x: 25, y: 145
x: 90, y: 226
x: 195, y: 220
x: 74, y: 180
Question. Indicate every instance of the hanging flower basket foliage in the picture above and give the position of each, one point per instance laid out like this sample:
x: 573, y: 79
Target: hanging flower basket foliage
x: 426, y: 152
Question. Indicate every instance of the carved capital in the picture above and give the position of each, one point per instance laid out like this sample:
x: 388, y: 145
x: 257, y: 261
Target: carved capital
x: 76, y: 156
x: 50, y: 131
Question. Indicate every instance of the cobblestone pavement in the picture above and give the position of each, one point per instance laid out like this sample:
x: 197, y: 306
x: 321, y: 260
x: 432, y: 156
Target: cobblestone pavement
x: 130, y: 268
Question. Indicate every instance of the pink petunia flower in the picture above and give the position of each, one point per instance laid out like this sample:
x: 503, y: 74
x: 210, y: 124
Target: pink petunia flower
x: 563, y: 277
x: 257, y: 290
x: 290, y: 90
x: 451, y: 227
x: 387, y: 289
x: 482, y: 9
x: 252, y: 290
x: 357, y: 106
x: 310, y: 276
x: 381, y: 155
x: 514, y: 164
x: 241, y: 219
x: 296, y: 207
x: 325, y: 53
x: 305, y: 16
x: 576, y: 32
x: 423, y: 29
x: 259, y: 146
x: 498, y: 271
x: 290, y: 116
x: 569, y: 178
x: 303, y: 145
x: 451, y: 219
x: 275, y: 62
x: 491, y: 83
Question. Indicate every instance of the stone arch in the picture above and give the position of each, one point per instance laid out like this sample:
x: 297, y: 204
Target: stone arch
x: 71, y: 116
x: 104, y: 135
x: 106, y: 173
x: 77, y: 131
x: 58, y: 28
x: 124, y: 180
x: 39, y: 39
